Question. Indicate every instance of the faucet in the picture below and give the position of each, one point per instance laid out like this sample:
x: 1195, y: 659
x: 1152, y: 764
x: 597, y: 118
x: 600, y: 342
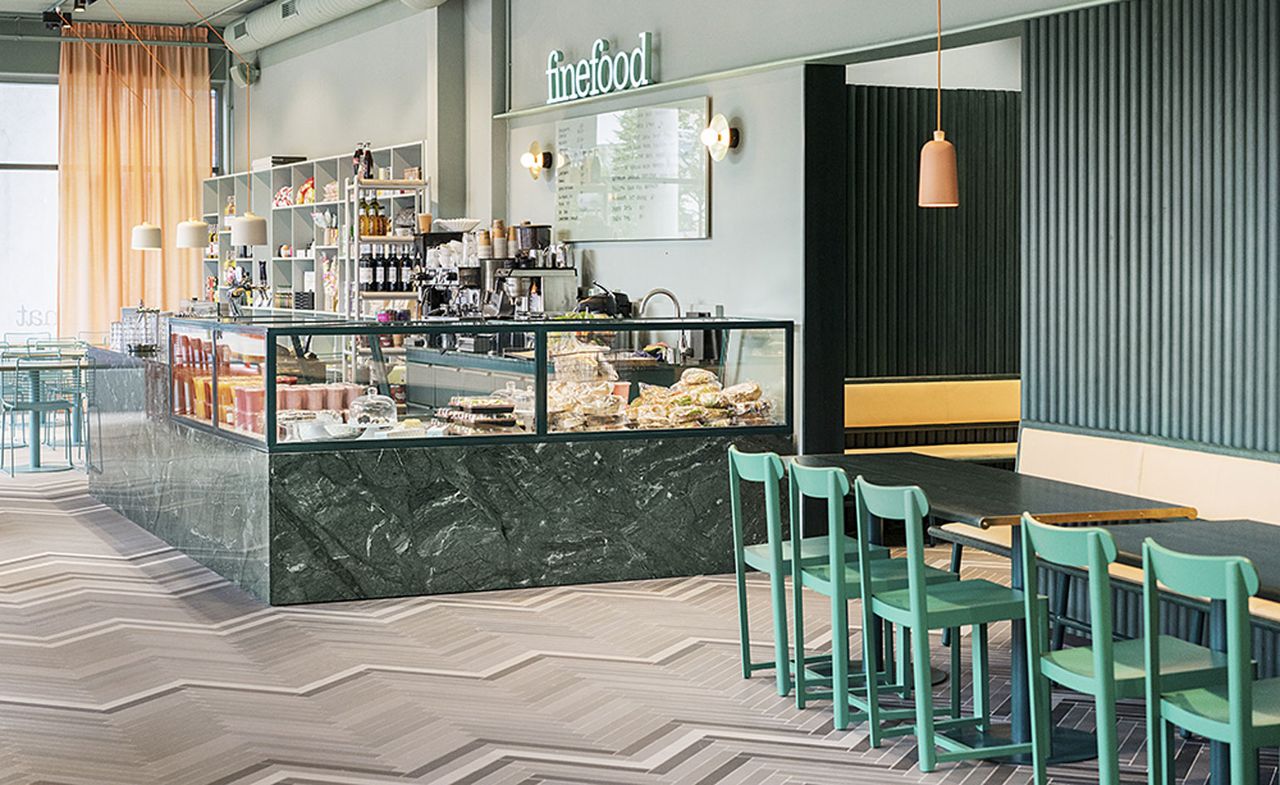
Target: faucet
x: 682, y: 345
x: 644, y: 301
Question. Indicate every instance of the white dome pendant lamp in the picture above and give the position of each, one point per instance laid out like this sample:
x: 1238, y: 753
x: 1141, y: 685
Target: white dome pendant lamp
x: 193, y: 234
x: 939, y: 178
x: 246, y: 229
x: 146, y: 235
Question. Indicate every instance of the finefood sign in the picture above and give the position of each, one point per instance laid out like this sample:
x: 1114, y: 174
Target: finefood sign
x: 602, y: 73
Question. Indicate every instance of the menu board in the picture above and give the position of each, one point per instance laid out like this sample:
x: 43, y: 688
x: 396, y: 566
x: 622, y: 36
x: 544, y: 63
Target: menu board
x: 634, y: 174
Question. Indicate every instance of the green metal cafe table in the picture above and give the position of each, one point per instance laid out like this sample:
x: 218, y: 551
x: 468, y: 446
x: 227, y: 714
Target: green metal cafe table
x: 980, y: 496
x: 63, y: 362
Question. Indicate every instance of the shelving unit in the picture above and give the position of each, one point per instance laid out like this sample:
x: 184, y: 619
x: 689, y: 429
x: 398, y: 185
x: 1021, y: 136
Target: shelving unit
x: 294, y: 224
x: 395, y: 196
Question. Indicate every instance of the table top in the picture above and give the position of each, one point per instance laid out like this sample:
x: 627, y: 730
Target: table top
x: 984, y: 496
x: 1254, y: 539
x: 38, y: 361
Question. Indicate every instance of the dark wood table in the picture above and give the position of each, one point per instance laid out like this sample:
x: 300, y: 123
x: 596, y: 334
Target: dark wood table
x: 961, y: 492
x: 1254, y: 539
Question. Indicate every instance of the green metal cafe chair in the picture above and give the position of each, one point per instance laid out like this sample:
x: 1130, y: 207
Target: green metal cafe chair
x: 1108, y: 670
x: 924, y: 605
x: 1240, y: 712
x: 842, y: 580
x: 773, y: 557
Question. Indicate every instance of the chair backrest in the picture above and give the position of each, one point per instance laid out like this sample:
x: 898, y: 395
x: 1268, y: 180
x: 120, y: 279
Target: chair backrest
x: 21, y: 338
x: 764, y: 468
x: 1230, y: 579
x: 908, y: 505
x: 829, y: 484
x: 1087, y: 548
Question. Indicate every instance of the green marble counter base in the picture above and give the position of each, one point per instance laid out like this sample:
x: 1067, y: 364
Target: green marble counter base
x: 360, y: 524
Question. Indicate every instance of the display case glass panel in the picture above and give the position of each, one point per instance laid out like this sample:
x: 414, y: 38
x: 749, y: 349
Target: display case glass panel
x: 628, y: 378
x: 191, y: 357
x: 242, y: 382
x: 299, y: 384
x: 404, y: 385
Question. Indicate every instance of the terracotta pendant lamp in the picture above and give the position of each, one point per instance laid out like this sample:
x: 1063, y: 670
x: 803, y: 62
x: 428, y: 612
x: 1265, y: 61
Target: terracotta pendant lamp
x: 246, y: 229
x: 939, y: 180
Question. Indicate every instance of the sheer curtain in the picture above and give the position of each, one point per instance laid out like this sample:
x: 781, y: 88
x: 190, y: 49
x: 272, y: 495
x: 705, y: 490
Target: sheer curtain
x: 119, y: 166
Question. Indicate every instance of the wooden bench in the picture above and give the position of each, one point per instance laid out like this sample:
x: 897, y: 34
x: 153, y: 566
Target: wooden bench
x: 972, y: 419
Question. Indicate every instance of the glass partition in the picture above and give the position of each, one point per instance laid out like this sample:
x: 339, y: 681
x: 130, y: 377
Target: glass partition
x: 404, y: 385
x: 191, y: 360
x: 629, y: 378
x: 242, y: 382
x: 322, y: 385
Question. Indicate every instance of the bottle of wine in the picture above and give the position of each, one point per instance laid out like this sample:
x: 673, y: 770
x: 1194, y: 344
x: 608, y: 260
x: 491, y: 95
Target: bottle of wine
x: 406, y: 270
x: 377, y: 273
x: 390, y: 272
x: 366, y: 271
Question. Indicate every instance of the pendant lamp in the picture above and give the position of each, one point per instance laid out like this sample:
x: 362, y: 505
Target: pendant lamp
x: 939, y: 179
x: 146, y: 235
x: 193, y: 234
x: 246, y: 229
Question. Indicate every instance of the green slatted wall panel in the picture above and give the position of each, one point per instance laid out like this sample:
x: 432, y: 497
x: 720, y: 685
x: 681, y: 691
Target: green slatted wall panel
x: 933, y: 292
x: 1151, y: 221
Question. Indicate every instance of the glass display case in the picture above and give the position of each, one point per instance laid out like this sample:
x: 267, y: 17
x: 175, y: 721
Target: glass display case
x: 289, y: 385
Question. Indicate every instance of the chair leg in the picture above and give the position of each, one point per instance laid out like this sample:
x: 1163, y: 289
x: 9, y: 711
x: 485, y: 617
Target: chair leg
x: 1108, y: 755
x: 957, y: 553
x: 1244, y: 763
x: 798, y: 632
x: 840, y: 661
x: 1062, y: 594
x: 902, y: 668
x: 778, y: 598
x: 1040, y: 719
x: 870, y: 646
x: 744, y: 633
x: 955, y: 672
x: 928, y: 752
x: 981, y: 674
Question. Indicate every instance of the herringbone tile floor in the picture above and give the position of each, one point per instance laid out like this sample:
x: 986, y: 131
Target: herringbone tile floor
x: 122, y: 662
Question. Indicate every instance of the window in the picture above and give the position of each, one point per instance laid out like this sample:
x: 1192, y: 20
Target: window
x: 28, y: 207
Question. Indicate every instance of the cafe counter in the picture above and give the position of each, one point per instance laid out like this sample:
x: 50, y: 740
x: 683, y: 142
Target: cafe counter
x: 314, y: 462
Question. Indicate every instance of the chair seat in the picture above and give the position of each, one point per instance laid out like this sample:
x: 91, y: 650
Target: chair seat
x: 1203, y: 710
x: 48, y: 405
x: 954, y: 604
x: 813, y: 550
x: 886, y: 575
x: 1182, y: 665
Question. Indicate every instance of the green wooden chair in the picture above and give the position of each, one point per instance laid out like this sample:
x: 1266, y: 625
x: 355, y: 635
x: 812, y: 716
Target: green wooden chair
x: 842, y: 580
x: 1240, y: 712
x: 774, y: 557
x: 924, y: 605
x: 1108, y: 670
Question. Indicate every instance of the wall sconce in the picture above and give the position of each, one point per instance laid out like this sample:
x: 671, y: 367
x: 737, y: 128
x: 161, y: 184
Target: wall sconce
x: 536, y: 159
x: 719, y: 138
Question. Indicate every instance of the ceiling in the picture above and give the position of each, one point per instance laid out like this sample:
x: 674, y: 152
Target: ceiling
x: 170, y: 12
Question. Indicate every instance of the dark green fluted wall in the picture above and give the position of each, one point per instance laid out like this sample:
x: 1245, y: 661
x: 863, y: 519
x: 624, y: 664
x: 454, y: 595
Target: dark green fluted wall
x: 932, y: 292
x: 1151, y: 221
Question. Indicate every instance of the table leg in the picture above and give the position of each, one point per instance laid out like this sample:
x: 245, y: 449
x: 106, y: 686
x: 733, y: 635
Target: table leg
x: 33, y: 448
x: 1219, y: 753
x: 1067, y: 745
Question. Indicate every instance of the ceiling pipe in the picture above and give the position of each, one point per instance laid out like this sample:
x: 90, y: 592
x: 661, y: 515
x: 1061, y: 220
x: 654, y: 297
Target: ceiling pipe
x: 284, y: 19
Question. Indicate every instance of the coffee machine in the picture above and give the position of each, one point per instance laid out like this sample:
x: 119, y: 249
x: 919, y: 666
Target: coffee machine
x: 540, y: 278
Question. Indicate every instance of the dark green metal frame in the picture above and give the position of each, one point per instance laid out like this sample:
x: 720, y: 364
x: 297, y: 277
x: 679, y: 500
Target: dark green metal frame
x: 273, y: 329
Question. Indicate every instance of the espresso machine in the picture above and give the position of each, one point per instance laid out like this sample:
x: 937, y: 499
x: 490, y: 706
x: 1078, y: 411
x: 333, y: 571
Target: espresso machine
x: 539, y: 279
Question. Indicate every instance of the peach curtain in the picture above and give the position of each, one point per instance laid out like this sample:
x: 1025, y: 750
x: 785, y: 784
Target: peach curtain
x: 119, y: 165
